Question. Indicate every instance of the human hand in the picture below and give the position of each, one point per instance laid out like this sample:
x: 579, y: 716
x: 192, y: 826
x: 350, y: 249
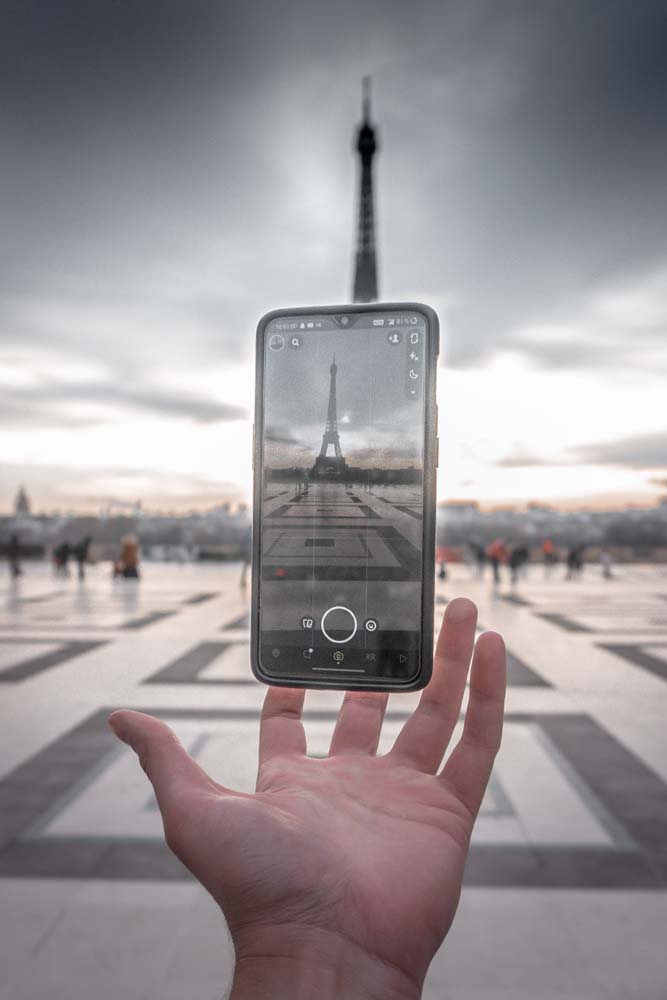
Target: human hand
x: 342, y: 875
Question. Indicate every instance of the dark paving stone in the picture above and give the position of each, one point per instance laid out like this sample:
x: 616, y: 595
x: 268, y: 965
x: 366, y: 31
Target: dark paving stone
x: 149, y: 619
x: 60, y: 857
x: 566, y: 623
x: 139, y: 860
x: 241, y: 621
x: 187, y: 668
x: 637, y: 655
x: 201, y: 598
x: 519, y: 674
x: 515, y: 599
x: 598, y: 869
x: 619, y: 779
x: 37, y: 664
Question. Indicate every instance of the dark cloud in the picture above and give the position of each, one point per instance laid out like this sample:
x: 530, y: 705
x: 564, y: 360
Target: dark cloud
x: 278, y: 435
x: 522, y: 460
x: 47, y: 404
x: 181, y: 168
x: 638, y: 451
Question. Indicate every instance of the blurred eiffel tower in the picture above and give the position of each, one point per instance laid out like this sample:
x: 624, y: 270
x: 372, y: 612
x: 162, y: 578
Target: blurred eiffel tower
x: 365, y: 270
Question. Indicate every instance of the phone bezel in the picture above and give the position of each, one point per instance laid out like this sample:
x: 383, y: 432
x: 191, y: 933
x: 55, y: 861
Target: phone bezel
x: 423, y: 674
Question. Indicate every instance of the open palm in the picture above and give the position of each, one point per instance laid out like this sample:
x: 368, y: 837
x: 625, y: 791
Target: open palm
x: 361, y: 850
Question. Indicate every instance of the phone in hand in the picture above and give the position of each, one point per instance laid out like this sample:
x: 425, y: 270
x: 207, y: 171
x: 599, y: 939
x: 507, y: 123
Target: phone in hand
x: 345, y: 455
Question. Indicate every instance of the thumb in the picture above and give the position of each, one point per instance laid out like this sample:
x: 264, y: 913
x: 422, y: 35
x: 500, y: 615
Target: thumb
x: 169, y: 767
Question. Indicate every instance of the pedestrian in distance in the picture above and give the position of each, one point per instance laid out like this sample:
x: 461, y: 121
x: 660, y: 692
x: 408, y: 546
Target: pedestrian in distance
x: 575, y: 561
x: 497, y: 554
x: 517, y: 560
x: 61, y: 555
x: 479, y: 557
x: 550, y: 556
x: 14, y: 556
x: 127, y: 564
x: 80, y: 554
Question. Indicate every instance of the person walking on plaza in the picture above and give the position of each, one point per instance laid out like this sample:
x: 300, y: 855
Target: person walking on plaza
x: 550, y: 557
x: 479, y: 556
x: 127, y: 565
x: 14, y: 556
x: 80, y: 554
x: 497, y: 553
x: 605, y: 564
x: 517, y: 560
x: 575, y: 561
x: 61, y: 555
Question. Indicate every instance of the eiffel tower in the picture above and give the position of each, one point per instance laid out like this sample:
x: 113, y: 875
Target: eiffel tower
x: 330, y: 466
x: 365, y: 270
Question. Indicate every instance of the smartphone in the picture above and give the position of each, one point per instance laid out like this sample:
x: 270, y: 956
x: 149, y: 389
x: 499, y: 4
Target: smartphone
x: 345, y: 456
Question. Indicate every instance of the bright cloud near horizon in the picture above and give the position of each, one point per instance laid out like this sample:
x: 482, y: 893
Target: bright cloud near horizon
x: 171, y: 171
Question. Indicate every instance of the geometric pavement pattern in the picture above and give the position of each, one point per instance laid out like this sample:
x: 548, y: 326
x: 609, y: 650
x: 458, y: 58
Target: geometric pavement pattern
x: 609, y: 827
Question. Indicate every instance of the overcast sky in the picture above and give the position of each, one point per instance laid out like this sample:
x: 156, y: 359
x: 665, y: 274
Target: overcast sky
x: 170, y: 171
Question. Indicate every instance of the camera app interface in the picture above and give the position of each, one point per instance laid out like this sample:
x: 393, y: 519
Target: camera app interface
x: 342, y: 495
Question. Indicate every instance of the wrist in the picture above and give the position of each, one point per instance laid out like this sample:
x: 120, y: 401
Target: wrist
x: 293, y: 962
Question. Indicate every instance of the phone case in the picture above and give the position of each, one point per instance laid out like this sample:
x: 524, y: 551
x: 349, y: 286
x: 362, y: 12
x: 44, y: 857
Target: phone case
x: 431, y: 446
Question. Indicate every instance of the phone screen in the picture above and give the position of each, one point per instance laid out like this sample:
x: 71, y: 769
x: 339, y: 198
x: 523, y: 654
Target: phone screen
x: 341, y: 496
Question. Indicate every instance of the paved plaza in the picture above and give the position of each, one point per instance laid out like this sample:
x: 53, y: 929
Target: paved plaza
x: 566, y: 887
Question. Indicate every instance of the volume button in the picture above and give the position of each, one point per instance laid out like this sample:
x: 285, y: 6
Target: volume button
x: 437, y: 453
x: 253, y: 448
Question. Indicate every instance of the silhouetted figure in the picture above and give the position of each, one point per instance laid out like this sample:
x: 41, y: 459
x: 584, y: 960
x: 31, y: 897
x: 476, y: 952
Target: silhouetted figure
x: 246, y: 553
x: 496, y: 553
x: 441, y: 561
x: 80, y: 554
x: 575, y: 561
x: 479, y: 555
x: 14, y: 556
x: 549, y: 555
x: 61, y: 556
x: 127, y: 565
x: 517, y: 560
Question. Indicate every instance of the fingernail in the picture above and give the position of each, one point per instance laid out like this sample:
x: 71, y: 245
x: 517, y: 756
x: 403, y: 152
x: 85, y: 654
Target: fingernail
x: 116, y: 728
x: 458, y: 610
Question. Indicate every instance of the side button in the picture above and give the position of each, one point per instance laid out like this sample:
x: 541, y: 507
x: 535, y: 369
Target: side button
x: 437, y: 453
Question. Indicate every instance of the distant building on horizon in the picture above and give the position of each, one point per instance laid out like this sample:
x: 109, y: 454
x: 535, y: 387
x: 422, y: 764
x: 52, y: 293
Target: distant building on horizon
x: 22, y: 504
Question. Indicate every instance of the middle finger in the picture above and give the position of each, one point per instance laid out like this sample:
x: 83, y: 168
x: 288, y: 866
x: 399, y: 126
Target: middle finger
x: 359, y: 723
